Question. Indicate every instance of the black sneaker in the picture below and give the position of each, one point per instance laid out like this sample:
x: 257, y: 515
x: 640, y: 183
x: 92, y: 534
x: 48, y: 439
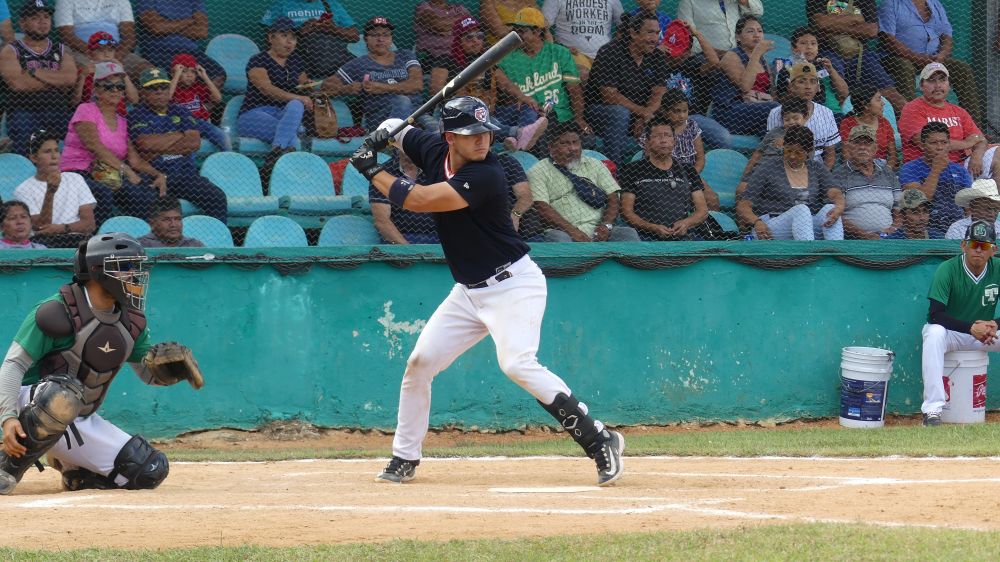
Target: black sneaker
x: 932, y: 419
x: 608, y: 456
x: 398, y: 470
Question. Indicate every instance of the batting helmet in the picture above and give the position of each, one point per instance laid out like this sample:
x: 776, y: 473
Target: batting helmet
x: 117, y: 262
x: 466, y: 116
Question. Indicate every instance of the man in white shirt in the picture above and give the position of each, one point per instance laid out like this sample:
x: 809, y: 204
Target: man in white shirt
x: 60, y: 204
x: 77, y: 20
x: 804, y: 83
x: 717, y: 20
x: 983, y: 202
x: 583, y: 27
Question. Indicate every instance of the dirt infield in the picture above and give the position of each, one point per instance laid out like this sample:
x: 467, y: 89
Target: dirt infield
x: 336, y: 501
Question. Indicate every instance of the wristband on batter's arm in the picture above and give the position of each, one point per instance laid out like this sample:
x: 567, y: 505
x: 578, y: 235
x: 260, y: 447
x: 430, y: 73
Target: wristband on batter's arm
x: 399, y: 191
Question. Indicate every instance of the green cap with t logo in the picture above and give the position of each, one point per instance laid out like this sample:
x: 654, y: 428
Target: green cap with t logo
x: 981, y: 231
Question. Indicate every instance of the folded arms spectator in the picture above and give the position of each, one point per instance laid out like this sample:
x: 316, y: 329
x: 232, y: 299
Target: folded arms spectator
x: 166, y: 226
x: 661, y: 197
x: 15, y: 225
x: 173, y: 27
x: 742, y: 93
x: 77, y: 20
x: 917, y: 33
x: 273, y: 108
x: 98, y: 148
x: 870, y: 189
x: 568, y: 189
x: 784, y: 198
x: 936, y: 175
x: 38, y: 74
x: 983, y: 204
x: 166, y: 135
x: 61, y: 205
x: 626, y: 85
x: 323, y: 27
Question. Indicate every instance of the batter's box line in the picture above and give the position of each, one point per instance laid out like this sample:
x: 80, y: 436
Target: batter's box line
x: 641, y: 457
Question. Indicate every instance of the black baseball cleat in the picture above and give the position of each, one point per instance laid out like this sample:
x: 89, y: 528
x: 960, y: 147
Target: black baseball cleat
x: 932, y: 419
x: 608, y: 456
x: 398, y: 470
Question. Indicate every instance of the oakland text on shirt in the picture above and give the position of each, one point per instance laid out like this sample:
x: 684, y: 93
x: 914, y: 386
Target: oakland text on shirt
x: 535, y: 82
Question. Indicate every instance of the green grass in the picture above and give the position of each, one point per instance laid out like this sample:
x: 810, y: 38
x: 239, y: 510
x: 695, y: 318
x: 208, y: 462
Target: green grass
x: 976, y: 440
x: 805, y: 542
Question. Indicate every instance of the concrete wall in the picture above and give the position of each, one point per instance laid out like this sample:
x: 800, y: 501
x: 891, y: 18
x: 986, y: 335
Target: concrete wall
x: 712, y: 340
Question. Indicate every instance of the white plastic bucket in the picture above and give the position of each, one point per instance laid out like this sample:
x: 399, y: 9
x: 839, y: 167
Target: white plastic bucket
x: 864, y: 378
x: 965, y: 386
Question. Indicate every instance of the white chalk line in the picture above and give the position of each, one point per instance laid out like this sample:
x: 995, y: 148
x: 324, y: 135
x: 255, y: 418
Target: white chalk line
x: 561, y: 458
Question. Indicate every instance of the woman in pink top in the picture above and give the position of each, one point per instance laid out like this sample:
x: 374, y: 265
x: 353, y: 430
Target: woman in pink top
x: 98, y: 148
x: 432, y: 22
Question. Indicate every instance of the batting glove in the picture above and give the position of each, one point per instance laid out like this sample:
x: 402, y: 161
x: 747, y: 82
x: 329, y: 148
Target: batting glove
x: 365, y: 160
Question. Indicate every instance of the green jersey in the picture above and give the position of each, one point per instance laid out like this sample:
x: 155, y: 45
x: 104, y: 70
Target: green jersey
x: 38, y: 345
x: 542, y: 77
x: 965, y: 296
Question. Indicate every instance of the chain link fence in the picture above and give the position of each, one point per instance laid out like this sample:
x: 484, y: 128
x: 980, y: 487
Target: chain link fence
x: 187, y: 122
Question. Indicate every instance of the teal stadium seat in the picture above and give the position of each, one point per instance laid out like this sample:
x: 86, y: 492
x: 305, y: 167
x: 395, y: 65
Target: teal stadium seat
x: 129, y: 225
x: 14, y: 169
x: 355, y: 185
x: 232, y: 51
x: 244, y: 145
x: 206, y: 149
x: 349, y: 230
x: 268, y: 232
x: 304, y: 186
x: 334, y: 147
x: 238, y: 177
x: 526, y: 159
x: 887, y: 112
x: 595, y: 154
x: 782, y: 47
x: 209, y: 230
x: 723, y: 171
x: 725, y: 221
x: 746, y: 144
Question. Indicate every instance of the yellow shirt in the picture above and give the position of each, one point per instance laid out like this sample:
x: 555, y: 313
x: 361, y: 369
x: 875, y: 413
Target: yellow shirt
x: 549, y: 185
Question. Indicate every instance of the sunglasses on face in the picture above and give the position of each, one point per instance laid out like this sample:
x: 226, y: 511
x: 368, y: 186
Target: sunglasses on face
x: 977, y: 245
x: 107, y: 42
x: 108, y: 86
x: 798, y: 153
x: 156, y: 87
x: 471, y: 36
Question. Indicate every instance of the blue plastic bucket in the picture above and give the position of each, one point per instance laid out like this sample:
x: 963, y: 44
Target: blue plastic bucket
x: 864, y: 377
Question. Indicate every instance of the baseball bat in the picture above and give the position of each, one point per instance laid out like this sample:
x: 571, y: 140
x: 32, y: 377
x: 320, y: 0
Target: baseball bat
x: 479, y: 66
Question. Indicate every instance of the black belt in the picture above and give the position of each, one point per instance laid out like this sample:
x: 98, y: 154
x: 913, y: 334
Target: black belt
x: 500, y: 277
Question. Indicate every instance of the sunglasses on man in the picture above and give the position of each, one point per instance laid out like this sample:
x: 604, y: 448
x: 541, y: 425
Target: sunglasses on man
x: 157, y: 87
x: 476, y: 35
x: 977, y: 245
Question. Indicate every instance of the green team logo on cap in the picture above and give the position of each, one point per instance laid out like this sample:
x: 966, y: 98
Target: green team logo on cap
x: 980, y: 230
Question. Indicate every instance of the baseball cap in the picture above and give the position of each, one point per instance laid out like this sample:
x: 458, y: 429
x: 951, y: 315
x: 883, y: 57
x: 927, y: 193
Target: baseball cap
x: 912, y: 198
x: 860, y: 131
x: 465, y: 24
x: 38, y: 138
x: 184, y: 59
x: 378, y: 22
x: 801, y: 69
x: 676, y: 38
x: 284, y: 23
x: 931, y: 69
x: 152, y: 76
x: 103, y: 70
x: 32, y: 7
x: 101, y: 39
x: 528, y: 17
x: 981, y: 231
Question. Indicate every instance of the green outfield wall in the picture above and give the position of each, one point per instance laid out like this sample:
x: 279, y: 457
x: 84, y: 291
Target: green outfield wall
x: 712, y: 340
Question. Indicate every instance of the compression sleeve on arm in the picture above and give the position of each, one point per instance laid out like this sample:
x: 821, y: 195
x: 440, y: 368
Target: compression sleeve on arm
x: 12, y: 371
x: 938, y: 315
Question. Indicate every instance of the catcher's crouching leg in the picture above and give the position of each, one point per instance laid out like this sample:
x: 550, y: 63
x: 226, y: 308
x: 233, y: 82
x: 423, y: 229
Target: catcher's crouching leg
x: 144, y: 466
x: 55, y: 403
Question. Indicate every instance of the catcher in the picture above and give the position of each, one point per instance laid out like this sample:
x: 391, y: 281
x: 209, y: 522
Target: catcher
x: 63, y: 359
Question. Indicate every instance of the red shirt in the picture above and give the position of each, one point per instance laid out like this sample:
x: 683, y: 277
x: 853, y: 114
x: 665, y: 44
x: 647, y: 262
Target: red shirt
x: 918, y: 113
x: 886, y: 135
x: 88, y: 94
x: 192, y: 99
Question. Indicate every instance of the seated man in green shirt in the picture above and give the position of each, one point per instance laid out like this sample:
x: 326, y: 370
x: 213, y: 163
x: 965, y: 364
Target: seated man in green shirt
x: 58, y: 369
x: 962, y: 312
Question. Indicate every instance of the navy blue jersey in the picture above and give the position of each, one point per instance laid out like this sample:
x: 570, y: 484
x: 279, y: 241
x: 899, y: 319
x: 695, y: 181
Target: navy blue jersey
x: 479, y: 239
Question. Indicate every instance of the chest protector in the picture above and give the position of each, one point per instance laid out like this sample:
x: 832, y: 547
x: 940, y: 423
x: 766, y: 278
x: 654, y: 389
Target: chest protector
x: 100, y: 349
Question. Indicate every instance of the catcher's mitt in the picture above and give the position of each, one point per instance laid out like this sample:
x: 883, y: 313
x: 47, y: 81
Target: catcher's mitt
x: 170, y: 363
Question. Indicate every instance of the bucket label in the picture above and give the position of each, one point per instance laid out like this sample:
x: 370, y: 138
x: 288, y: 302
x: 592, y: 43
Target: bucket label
x: 862, y: 400
x: 947, y: 389
x: 979, y: 392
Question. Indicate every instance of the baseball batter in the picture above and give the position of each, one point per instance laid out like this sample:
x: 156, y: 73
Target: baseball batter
x: 499, y: 290
x: 963, y: 302
x: 58, y: 370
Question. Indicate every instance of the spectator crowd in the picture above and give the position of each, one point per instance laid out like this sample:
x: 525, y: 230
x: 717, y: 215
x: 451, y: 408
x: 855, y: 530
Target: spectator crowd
x: 608, y: 118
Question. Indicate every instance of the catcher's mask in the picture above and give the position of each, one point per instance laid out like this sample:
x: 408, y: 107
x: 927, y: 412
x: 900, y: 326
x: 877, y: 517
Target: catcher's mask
x: 116, y: 262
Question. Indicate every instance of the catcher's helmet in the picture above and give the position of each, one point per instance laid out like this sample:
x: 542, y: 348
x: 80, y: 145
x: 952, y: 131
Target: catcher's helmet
x: 466, y: 116
x: 116, y: 262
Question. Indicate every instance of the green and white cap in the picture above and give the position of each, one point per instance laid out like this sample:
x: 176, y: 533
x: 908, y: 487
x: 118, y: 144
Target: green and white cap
x: 981, y: 231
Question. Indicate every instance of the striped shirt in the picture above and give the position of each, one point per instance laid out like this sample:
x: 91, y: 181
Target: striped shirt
x: 870, y: 201
x: 822, y: 124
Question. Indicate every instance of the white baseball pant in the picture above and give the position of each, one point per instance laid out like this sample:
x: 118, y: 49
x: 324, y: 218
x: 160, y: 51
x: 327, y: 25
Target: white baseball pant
x: 511, y: 311
x: 939, y: 340
x: 102, y: 441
